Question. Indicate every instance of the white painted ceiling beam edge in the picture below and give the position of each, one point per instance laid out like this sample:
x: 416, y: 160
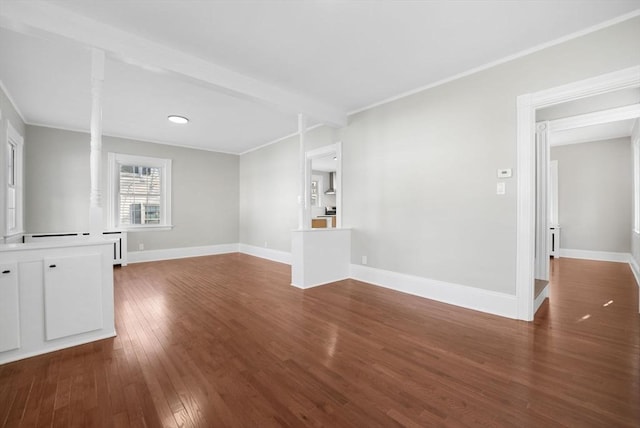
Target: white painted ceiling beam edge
x: 57, y: 21
x: 595, y: 118
x: 590, y: 138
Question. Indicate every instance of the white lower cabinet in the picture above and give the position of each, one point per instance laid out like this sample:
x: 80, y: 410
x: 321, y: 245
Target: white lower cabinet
x: 9, y: 307
x: 54, y: 295
x: 72, y: 295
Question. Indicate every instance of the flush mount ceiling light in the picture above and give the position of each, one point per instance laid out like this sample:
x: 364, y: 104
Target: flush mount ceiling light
x: 180, y: 120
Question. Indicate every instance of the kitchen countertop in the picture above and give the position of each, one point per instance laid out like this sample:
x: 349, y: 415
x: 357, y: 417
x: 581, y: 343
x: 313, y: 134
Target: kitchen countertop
x: 81, y: 242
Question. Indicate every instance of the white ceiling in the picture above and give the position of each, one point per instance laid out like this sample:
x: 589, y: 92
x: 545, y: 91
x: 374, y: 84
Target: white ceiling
x: 325, y: 57
x: 327, y: 163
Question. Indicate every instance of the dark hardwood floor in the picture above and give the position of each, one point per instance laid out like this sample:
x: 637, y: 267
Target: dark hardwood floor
x: 226, y: 341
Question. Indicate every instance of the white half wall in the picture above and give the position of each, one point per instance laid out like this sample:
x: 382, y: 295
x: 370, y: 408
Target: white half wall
x: 320, y: 256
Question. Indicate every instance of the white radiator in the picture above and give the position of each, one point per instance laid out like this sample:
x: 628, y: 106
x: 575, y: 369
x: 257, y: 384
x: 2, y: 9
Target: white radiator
x: 119, y: 246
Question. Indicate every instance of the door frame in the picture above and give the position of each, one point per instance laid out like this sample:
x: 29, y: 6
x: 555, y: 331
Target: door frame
x: 527, y: 104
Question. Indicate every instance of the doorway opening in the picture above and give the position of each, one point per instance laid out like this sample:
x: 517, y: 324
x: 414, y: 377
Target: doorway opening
x: 323, y: 187
x: 532, y: 226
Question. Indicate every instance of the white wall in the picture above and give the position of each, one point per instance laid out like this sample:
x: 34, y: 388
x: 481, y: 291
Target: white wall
x: 419, y: 173
x: 595, y: 195
x: 635, y: 234
x: 268, y: 195
x: 205, y: 188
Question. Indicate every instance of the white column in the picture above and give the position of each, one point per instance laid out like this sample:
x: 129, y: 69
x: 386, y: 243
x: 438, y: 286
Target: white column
x: 542, y: 213
x: 303, y: 198
x: 95, y: 198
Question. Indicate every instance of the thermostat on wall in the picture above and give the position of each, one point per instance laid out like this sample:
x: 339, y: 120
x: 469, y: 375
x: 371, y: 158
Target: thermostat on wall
x: 504, y: 173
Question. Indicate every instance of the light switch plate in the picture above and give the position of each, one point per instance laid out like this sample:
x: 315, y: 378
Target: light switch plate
x: 501, y: 189
x: 504, y: 173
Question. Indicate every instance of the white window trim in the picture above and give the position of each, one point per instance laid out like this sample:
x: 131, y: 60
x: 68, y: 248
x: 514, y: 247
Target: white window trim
x: 15, y: 139
x: 116, y: 159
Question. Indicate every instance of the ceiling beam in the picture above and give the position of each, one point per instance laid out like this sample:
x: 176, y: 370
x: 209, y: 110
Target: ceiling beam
x: 596, y: 118
x: 42, y: 17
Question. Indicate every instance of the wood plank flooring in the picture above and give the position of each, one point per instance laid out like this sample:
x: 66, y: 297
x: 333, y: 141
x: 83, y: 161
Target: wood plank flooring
x: 225, y: 341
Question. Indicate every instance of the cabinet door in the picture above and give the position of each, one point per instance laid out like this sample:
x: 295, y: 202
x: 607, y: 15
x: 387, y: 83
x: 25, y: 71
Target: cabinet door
x: 9, y: 307
x: 72, y: 295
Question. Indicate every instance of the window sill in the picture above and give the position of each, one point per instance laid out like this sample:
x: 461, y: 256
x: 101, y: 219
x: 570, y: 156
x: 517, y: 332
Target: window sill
x: 146, y: 228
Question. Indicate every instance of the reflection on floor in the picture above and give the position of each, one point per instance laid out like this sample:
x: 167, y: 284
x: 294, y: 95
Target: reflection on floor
x: 226, y: 341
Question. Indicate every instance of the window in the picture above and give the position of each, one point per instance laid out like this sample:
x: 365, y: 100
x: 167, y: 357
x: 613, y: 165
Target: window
x: 139, y: 192
x: 13, y: 211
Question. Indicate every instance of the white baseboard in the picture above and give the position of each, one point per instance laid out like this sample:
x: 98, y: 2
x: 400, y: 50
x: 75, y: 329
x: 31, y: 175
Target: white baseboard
x: 18, y: 354
x: 493, y: 302
x: 266, y: 253
x: 635, y: 268
x: 603, y: 256
x: 540, y: 299
x: 180, y: 253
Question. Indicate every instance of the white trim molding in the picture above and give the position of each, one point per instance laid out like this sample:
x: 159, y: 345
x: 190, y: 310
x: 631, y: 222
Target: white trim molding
x: 636, y: 272
x: 67, y: 342
x: 603, y: 256
x: 595, y: 118
x: 635, y: 150
x: 115, y: 161
x: 539, y: 300
x: 527, y: 104
x: 492, y: 302
x: 14, y: 192
x: 209, y: 250
x: 266, y: 253
x: 180, y: 253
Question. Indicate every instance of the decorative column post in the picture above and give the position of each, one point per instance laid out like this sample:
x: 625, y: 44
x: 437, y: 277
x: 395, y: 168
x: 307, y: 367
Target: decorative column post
x: 303, y: 197
x: 96, y: 225
x: 541, y: 269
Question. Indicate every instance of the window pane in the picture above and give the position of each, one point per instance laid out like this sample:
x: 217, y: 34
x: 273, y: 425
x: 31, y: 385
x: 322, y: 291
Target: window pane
x: 135, y: 216
x: 152, y: 214
x: 140, y: 195
x: 11, y: 167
